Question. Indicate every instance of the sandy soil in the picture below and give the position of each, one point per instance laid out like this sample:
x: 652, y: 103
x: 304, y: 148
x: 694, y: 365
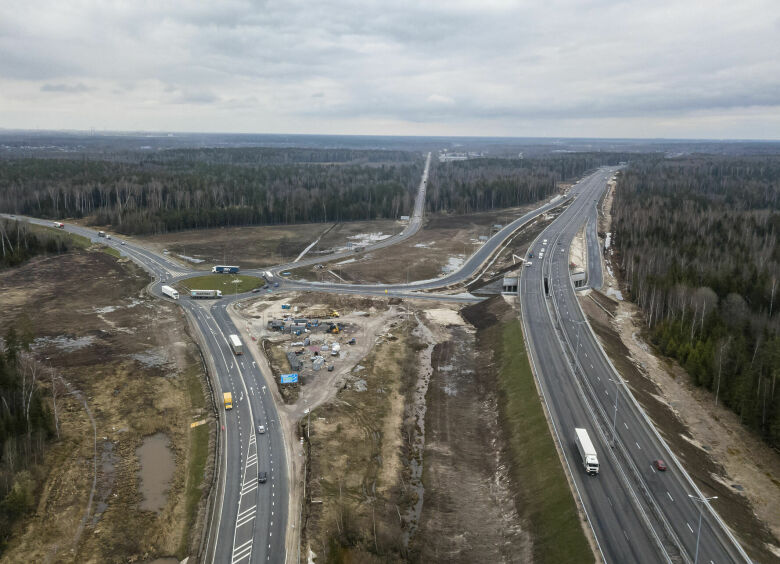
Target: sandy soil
x: 130, y: 359
x: 720, y: 453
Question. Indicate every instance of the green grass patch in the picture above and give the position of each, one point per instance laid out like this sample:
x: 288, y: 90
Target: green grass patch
x: 199, y: 453
x: 225, y: 282
x: 534, y: 463
x: 111, y: 251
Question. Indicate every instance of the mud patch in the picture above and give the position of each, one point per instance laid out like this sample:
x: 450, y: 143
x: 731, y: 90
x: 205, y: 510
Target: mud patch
x: 157, y: 467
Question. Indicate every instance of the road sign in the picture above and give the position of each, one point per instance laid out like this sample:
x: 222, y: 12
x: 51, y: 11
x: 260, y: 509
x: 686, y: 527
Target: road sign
x: 289, y: 378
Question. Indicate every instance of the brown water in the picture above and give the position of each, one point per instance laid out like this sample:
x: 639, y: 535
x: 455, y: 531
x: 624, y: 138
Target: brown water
x: 157, y: 466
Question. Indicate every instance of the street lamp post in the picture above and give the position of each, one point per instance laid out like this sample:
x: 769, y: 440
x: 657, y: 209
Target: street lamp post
x: 614, y: 414
x: 701, y: 500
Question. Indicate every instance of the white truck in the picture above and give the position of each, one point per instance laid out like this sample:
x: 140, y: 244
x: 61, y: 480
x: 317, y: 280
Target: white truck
x: 587, y: 452
x: 205, y: 294
x: 335, y: 349
x: 236, y: 345
x: 170, y: 292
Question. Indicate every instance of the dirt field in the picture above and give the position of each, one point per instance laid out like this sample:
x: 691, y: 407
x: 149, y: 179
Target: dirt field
x: 388, y: 433
x: 128, y: 358
x: 258, y: 247
x: 440, y: 247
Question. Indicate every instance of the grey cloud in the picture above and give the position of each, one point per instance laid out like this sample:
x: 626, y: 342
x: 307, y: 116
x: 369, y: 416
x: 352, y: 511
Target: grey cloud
x: 66, y: 88
x: 439, y: 64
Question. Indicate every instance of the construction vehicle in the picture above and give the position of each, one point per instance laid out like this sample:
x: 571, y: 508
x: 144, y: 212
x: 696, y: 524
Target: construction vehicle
x: 334, y: 313
x: 333, y: 328
x: 351, y: 341
x: 228, y: 399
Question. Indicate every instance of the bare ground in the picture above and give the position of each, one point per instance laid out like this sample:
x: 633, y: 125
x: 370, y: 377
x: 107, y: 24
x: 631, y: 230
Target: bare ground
x: 364, y: 449
x: 130, y: 359
x: 441, y: 246
x: 263, y: 246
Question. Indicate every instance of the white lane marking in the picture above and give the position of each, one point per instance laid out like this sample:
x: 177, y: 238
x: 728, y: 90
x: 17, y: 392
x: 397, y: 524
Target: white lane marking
x: 689, y: 526
x: 670, y: 496
x: 626, y: 424
x: 637, y: 445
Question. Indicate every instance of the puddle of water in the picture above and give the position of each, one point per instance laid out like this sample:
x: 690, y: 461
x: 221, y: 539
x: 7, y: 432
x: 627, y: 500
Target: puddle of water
x: 157, y: 466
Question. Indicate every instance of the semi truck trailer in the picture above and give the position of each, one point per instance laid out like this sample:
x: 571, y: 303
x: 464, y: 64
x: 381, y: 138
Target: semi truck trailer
x: 222, y: 269
x: 205, y: 294
x: 587, y: 452
x: 170, y: 292
x: 236, y: 345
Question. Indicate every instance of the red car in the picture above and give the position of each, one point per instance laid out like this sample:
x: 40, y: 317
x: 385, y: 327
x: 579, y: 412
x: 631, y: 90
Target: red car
x: 660, y: 465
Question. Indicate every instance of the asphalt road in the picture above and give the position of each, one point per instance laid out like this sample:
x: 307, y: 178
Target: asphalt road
x: 661, y: 522
x: 636, y: 513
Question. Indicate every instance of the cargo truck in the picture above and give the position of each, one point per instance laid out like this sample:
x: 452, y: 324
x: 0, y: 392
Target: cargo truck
x: 228, y: 397
x: 236, y: 345
x: 170, y: 292
x: 59, y: 225
x: 222, y: 269
x: 205, y: 294
x: 587, y: 452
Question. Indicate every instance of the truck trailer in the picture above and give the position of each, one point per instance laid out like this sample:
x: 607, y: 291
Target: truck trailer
x: 587, y: 452
x: 228, y: 399
x: 222, y: 269
x: 236, y: 345
x: 170, y: 292
x: 205, y: 294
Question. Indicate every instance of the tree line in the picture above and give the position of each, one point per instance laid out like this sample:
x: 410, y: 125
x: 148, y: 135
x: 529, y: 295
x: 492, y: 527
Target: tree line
x: 697, y: 245
x: 20, y: 241
x: 492, y: 183
x: 144, y: 197
x: 26, y: 424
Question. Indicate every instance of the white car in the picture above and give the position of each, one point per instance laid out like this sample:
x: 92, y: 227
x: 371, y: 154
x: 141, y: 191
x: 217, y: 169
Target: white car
x: 260, y: 430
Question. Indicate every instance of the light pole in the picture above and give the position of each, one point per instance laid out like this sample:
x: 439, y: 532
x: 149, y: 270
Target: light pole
x: 614, y: 415
x: 701, y: 500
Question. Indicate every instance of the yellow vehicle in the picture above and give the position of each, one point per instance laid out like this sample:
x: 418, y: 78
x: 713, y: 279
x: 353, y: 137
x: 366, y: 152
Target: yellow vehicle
x: 334, y: 313
x: 228, y: 400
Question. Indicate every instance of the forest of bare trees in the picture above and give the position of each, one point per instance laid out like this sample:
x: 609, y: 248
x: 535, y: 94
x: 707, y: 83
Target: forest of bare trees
x: 149, y: 197
x: 697, y: 240
x: 492, y: 183
x: 26, y: 423
x: 20, y: 241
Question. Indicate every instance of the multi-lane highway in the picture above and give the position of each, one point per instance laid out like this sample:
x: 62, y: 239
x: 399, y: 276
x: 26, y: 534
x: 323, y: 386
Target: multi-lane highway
x: 637, y: 514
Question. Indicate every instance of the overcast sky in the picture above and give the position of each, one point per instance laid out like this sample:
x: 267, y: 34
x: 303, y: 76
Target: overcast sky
x: 580, y: 68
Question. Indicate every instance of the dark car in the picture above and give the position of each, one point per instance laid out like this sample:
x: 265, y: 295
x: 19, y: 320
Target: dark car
x: 660, y: 465
x: 262, y: 477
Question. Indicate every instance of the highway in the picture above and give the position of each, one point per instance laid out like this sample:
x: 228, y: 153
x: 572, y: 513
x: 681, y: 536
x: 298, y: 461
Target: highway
x: 580, y: 390
x: 636, y: 513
